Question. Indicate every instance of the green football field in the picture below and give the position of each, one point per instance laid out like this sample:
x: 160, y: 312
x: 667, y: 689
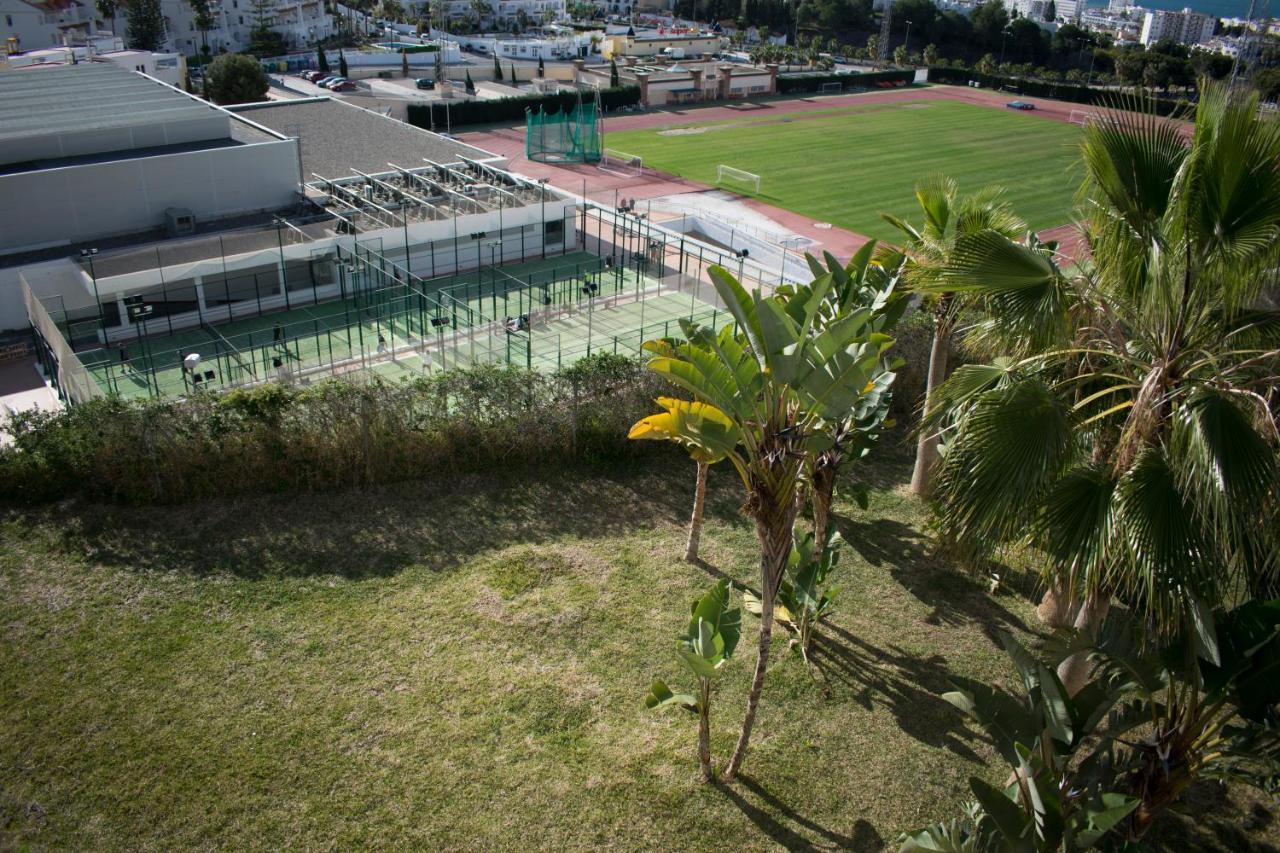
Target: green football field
x: 848, y: 165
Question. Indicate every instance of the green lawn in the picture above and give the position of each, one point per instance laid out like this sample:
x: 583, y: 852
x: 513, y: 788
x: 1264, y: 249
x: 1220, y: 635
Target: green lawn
x: 846, y: 166
x: 462, y: 665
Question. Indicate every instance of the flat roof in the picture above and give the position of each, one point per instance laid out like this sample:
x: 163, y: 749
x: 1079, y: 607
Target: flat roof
x: 89, y: 96
x: 339, y: 139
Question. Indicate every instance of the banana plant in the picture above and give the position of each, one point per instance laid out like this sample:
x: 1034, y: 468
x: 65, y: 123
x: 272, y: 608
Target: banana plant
x: 802, y: 600
x: 869, y: 282
x: 706, y: 645
x: 766, y: 383
x: 704, y: 452
x: 1099, y: 766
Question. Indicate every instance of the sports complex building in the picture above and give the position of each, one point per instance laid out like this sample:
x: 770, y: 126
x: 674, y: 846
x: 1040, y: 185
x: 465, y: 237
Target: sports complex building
x: 159, y: 246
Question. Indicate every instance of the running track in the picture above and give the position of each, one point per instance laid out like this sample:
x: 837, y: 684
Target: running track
x: 605, y: 187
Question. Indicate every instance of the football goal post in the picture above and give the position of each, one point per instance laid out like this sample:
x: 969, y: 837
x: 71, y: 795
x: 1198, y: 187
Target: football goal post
x: 1082, y: 117
x: 729, y: 175
x: 834, y: 88
x: 621, y: 163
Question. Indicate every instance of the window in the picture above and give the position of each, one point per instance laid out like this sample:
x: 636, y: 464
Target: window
x: 8, y: 20
x: 554, y: 231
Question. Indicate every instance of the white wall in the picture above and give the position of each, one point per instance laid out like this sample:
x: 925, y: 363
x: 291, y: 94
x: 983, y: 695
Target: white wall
x: 80, y: 203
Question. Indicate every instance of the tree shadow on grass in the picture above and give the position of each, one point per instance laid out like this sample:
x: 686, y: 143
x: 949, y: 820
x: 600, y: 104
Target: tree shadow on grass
x: 954, y: 598
x: 908, y: 686
x: 1213, y: 817
x: 764, y: 808
x: 376, y: 532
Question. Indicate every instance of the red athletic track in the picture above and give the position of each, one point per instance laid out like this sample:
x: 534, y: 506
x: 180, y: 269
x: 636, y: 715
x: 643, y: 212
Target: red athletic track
x: 603, y: 187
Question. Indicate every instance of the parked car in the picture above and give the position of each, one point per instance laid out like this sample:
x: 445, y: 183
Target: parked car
x: 330, y: 82
x: 343, y: 86
x: 324, y: 81
x: 1020, y: 105
x: 425, y: 83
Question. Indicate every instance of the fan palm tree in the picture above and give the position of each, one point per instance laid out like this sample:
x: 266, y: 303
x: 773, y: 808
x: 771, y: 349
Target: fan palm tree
x: 1139, y: 453
x: 761, y: 387
x: 947, y: 216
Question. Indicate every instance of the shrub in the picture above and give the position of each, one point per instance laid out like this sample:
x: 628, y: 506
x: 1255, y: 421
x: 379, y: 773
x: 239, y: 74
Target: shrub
x: 1043, y: 89
x: 334, y: 434
x: 808, y: 82
x: 236, y: 79
x: 512, y: 109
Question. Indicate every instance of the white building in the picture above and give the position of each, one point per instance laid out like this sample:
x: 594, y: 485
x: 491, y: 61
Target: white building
x: 33, y: 24
x: 170, y: 68
x: 301, y: 22
x: 1185, y: 27
x: 504, y: 13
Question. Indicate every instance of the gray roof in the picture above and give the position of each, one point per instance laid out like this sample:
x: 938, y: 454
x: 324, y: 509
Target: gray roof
x: 90, y: 96
x: 338, y: 139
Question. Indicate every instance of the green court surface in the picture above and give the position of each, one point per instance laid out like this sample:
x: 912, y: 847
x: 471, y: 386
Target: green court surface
x: 399, y: 331
x: 848, y: 165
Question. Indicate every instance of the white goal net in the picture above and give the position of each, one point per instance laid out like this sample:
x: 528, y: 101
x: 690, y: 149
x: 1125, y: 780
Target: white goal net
x: 729, y: 175
x: 621, y: 163
x: 1083, y: 117
x: 831, y: 88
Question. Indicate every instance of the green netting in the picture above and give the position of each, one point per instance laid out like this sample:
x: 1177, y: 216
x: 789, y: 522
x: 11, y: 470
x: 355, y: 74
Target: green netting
x: 573, y: 136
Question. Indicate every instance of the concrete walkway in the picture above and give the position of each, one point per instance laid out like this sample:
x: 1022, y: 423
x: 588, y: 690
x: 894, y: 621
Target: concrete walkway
x: 22, y: 388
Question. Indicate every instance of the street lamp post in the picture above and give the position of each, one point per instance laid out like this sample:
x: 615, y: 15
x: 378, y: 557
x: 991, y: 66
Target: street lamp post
x: 1004, y: 36
x: 906, y: 42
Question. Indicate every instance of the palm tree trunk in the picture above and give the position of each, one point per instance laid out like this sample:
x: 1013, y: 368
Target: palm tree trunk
x: 775, y: 547
x: 824, y: 490
x: 1057, y: 607
x: 927, y: 444
x: 1074, y: 671
x: 704, y: 732
x: 695, y: 522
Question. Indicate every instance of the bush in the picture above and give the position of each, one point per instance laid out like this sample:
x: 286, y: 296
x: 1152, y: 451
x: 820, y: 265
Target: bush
x: 335, y: 434
x: 512, y: 109
x: 235, y: 78
x: 1044, y: 89
x: 809, y: 82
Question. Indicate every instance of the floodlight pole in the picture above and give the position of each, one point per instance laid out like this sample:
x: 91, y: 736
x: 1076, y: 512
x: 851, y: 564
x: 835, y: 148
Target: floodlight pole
x: 93, y: 274
x: 542, y: 184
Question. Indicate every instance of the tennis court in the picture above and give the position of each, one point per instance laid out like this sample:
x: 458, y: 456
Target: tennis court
x: 542, y: 314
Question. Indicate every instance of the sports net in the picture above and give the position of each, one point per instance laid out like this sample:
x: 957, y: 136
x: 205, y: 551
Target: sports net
x: 573, y: 136
x: 67, y: 370
x: 235, y: 364
x: 1083, y: 117
x: 729, y: 175
x: 621, y: 163
x: 831, y: 88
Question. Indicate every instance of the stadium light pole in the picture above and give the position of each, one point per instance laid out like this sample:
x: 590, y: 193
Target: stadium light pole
x: 1004, y: 37
x: 906, y: 41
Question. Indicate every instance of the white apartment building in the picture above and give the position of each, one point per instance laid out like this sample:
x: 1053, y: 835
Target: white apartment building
x: 33, y: 24
x: 503, y: 13
x: 301, y: 22
x: 1185, y: 27
x: 1032, y: 10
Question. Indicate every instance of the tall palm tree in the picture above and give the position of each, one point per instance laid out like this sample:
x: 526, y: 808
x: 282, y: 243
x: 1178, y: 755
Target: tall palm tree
x: 761, y: 387
x: 948, y: 215
x: 1140, y: 452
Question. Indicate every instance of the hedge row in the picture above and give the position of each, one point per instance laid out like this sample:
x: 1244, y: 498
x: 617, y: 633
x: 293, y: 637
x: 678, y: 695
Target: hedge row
x: 808, y: 82
x: 335, y: 434
x: 512, y: 109
x: 1044, y: 89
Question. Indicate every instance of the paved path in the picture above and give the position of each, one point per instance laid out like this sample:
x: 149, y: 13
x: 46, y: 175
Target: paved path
x: 605, y: 187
